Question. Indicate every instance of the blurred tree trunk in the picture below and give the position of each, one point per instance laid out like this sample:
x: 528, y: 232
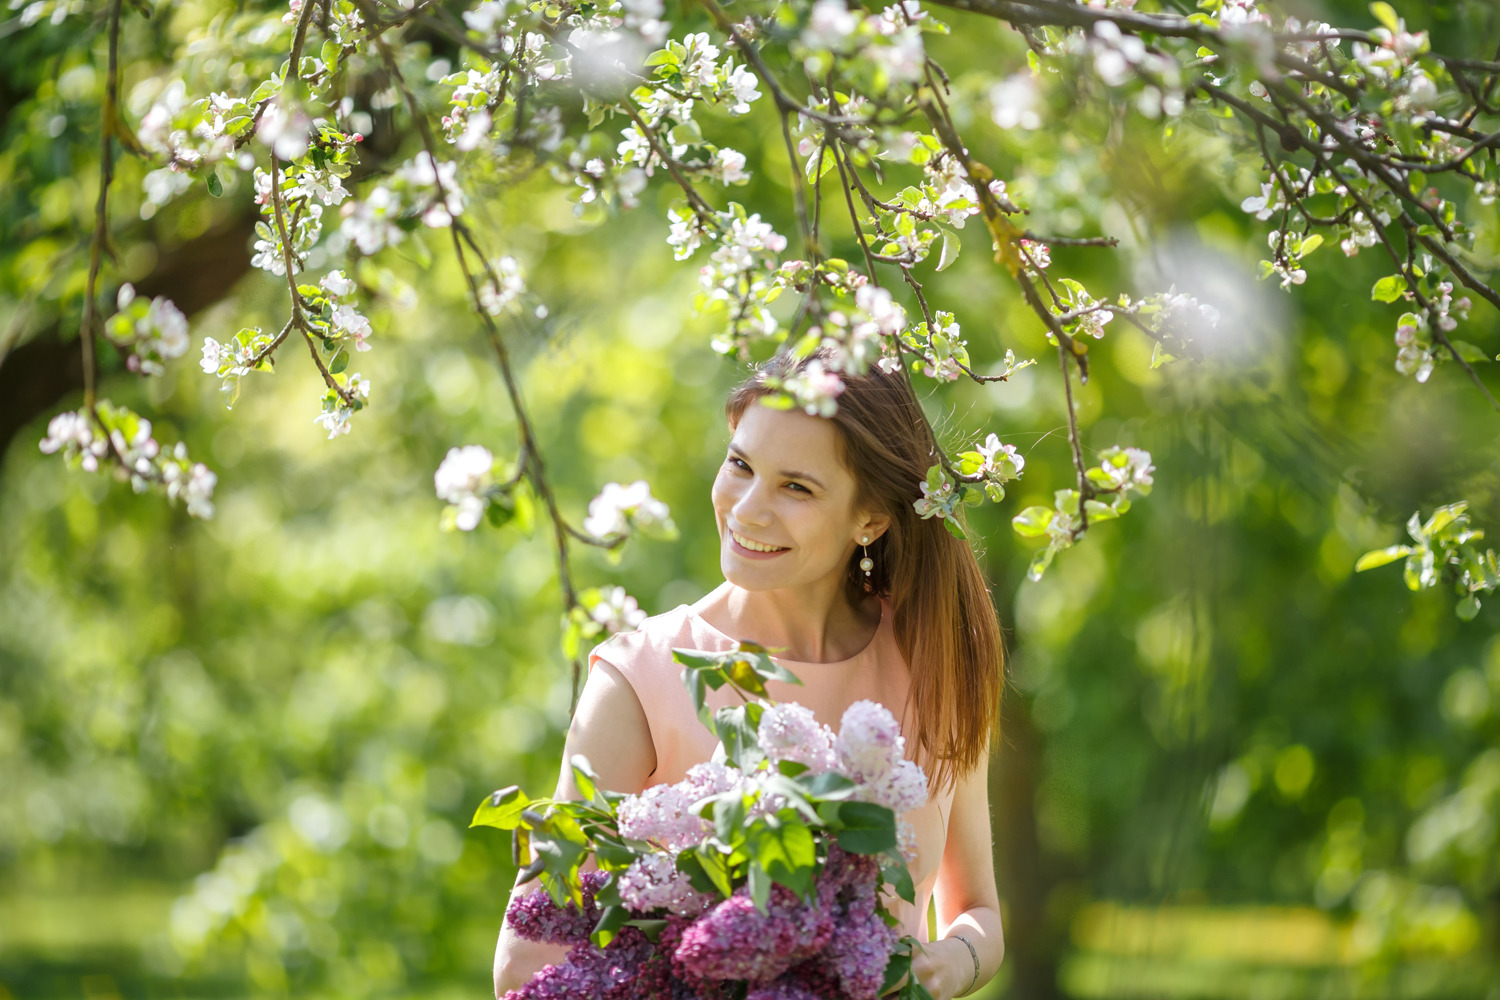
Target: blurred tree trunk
x: 37, y: 377
x: 1033, y: 948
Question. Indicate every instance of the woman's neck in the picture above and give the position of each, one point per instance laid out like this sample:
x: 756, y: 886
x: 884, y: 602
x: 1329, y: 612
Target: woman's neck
x: 809, y: 625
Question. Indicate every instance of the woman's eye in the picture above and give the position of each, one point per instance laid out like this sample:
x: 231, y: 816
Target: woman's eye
x: 799, y: 486
x: 738, y: 463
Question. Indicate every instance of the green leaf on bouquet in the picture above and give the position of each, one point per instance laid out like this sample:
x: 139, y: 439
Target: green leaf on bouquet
x: 584, y: 776
x: 716, y: 866
x: 520, y: 847
x: 736, y: 728
x: 611, y: 919
x: 728, y: 815
x: 651, y: 928
x: 898, y: 876
x: 613, y: 854
x: 759, y: 884
x: 895, y: 971
x: 828, y: 785
x: 501, y: 809
x: 785, y: 850
x: 865, y: 828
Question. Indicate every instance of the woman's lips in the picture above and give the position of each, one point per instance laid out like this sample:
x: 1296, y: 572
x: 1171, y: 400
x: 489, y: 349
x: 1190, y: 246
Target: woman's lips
x: 745, y: 553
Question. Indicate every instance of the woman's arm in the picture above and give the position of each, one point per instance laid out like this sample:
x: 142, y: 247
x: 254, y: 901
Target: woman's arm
x: 967, y: 902
x: 610, y: 729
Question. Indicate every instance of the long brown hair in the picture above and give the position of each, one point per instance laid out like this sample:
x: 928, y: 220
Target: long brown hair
x: 945, y: 622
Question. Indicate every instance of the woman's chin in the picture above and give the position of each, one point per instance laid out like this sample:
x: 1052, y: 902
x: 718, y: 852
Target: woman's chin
x: 750, y: 577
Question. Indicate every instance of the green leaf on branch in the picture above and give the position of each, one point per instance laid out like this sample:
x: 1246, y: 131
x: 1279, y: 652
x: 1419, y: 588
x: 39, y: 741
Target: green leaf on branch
x: 1380, y: 557
x: 1386, y: 15
x: 951, y: 246
x: 1389, y: 288
x: 1033, y: 521
x: 502, y: 809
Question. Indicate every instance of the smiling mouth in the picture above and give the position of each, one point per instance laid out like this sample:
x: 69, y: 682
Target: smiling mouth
x: 755, y: 546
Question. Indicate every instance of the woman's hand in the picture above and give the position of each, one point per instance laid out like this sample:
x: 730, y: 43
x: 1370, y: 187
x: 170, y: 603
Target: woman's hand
x: 944, y: 967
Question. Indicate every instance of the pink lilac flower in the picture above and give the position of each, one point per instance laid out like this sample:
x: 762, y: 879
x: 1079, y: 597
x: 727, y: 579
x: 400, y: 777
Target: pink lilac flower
x: 860, y: 951
x: 608, y: 973
x: 786, y: 988
x: 534, y: 917
x: 709, y: 778
x: 791, y: 732
x: 662, y: 816
x: 869, y: 741
x: 653, y: 882
x: 735, y: 941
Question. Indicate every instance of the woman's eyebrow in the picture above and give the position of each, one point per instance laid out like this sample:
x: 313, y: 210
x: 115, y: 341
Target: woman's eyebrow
x: 788, y: 473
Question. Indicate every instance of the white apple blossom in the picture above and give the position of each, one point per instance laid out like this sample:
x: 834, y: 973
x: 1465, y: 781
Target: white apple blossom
x: 616, y: 610
x: 1015, y: 102
x: 828, y: 25
x: 744, y: 86
x: 462, y: 480
x: 371, y: 223
x: 729, y: 167
x: 505, y: 287
x: 618, y: 510
x: 815, y: 389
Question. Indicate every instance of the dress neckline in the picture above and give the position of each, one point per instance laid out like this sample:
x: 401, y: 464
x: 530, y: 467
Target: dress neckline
x: 869, y: 647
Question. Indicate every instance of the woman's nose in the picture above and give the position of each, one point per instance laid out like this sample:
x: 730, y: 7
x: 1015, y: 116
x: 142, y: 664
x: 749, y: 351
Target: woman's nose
x: 751, y: 507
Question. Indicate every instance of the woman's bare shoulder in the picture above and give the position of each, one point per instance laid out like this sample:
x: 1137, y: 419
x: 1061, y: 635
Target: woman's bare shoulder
x: 649, y: 643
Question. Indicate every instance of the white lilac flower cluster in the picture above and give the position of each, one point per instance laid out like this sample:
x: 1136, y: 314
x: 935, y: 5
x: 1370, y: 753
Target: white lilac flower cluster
x: 463, y: 480
x: 125, y: 438
x: 620, y: 510
x: 868, y: 749
x: 154, y: 332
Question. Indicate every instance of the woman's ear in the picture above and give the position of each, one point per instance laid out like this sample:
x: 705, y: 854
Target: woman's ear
x: 873, y: 525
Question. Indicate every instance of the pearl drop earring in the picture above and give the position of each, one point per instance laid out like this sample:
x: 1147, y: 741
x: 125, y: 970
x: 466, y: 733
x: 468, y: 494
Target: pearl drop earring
x: 866, y: 563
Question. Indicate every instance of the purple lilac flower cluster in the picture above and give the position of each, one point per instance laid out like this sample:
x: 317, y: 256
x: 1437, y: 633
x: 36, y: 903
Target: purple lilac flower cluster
x: 833, y: 948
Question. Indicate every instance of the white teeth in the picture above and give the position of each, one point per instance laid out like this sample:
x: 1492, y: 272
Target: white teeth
x: 756, y: 546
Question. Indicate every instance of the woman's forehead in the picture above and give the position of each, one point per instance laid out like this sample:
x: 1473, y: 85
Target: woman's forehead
x: 787, y: 436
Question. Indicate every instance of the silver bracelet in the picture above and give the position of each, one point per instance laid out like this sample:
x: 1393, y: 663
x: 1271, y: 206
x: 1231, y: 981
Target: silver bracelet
x: 974, y: 955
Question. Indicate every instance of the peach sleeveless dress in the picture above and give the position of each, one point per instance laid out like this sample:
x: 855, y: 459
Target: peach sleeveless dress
x: 878, y: 672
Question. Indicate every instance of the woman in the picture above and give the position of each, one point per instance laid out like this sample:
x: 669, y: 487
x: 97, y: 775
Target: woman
x: 825, y: 559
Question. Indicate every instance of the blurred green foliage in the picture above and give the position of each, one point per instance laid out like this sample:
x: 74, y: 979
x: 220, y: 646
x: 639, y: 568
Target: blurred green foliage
x: 239, y: 757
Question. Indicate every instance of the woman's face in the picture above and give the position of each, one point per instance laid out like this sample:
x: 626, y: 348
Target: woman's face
x: 784, y: 503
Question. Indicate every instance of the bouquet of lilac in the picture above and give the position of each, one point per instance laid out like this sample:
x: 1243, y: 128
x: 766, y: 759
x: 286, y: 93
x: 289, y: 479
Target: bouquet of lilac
x: 759, y: 876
